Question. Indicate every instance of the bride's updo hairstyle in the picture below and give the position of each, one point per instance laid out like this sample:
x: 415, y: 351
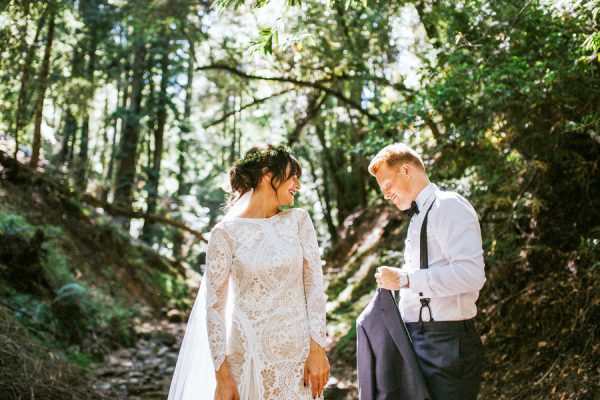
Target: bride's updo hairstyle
x: 247, y: 172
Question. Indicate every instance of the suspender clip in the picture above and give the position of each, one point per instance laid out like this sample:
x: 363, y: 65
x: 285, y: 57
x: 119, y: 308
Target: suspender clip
x: 424, y: 265
x: 424, y: 304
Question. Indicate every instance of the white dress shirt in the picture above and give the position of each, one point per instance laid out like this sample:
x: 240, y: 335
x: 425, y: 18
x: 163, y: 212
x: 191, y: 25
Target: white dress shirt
x: 456, y: 270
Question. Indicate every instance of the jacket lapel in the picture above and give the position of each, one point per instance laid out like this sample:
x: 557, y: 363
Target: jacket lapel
x: 395, y: 326
x: 414, y: 382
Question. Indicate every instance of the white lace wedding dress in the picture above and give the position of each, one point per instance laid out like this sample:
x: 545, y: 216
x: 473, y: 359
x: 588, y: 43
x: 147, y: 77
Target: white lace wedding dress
x: 269, y: 271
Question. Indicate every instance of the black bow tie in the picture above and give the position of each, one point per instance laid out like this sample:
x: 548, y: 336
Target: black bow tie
x: 412, y: 210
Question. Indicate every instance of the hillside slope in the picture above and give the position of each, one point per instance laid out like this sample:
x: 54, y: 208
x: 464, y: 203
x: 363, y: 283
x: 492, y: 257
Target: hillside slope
x: 72, y: 285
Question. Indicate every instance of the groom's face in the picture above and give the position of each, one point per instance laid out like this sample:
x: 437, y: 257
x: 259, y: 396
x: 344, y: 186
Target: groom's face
x: 395, y: 185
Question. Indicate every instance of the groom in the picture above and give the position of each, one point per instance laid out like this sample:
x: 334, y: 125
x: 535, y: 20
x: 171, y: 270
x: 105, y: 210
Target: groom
x: 441, y: 277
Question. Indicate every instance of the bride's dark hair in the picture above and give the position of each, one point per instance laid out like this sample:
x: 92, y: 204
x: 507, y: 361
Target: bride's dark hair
x: 247, y: 172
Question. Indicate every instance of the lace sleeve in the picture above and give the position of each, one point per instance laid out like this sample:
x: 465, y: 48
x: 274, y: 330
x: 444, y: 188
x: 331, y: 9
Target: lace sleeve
x: 218, y: 266
x: 313, y: 278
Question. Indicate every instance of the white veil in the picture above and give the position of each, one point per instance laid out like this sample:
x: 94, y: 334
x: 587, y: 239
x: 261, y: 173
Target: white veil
x: 194, y: 375
x: 239, y: 206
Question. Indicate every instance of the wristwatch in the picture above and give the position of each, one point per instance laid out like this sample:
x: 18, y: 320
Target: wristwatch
x: 403, y: 280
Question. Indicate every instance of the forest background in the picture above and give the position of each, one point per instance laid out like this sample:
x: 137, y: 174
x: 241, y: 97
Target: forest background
x: 119, y: 120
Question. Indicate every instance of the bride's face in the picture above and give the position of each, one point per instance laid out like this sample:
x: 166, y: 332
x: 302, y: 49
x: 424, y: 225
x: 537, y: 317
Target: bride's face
x: 287, y: 189
x: 395, y: 185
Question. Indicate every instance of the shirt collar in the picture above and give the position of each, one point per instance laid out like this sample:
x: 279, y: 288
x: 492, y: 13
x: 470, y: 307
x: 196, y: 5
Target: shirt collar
x: 424, y: 195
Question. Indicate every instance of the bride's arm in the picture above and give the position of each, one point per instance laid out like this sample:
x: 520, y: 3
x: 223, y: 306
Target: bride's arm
x: 317, y: 366
x: 314, y: 288
x: 219, y: 256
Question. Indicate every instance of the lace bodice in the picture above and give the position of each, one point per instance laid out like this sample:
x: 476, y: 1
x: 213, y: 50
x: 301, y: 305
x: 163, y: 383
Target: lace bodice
x: 277, y: 293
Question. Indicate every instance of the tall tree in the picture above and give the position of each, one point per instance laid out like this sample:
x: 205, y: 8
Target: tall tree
x: 122, y: 96
x: 182, y: 149
x: 127, y: 154
x: 70, y: 126
x: 82, y: 162
x: 41, y: 93
x: 98, y: 17
x: 158, y: 133
x: 25, y: 81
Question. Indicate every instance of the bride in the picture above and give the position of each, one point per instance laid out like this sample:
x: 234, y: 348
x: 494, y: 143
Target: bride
x: 257, y: 328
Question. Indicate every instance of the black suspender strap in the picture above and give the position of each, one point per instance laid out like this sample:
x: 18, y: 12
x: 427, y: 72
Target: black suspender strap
x: 424, y: 265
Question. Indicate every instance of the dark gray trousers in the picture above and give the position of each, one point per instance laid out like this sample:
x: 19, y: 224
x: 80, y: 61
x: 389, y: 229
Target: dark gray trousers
x: 450, y: 355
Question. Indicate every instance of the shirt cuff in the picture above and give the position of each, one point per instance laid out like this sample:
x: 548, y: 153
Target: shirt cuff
x: 419, y: 283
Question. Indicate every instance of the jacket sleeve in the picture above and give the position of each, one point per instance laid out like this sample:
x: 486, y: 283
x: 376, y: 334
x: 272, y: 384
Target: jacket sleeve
x: 365, y: 363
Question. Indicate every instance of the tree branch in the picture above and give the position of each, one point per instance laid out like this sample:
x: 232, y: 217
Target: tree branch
x: 398, y: 86
x: 254, y: 103
x: 24, y: 175
x: 117, y: 211
x: 296, y: 82
x: 314, y: 104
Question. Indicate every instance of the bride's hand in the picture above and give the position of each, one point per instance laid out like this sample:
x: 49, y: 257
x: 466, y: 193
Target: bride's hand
x: 316, y: 369
x: 226, y: 387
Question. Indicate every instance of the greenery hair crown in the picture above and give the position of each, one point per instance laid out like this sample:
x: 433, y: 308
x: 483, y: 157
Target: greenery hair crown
x: 264, y: 154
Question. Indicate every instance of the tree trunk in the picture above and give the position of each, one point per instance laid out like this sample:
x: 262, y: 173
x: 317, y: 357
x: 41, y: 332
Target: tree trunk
x: 71, y: 125
x: 358, y: 161
x: 315, y: 101
x: 105, y: 145
x: 25, y: 72
x: 324, y: 199
x: 39, y: 105
x: 428, y: 19
x: 127, y: 155
x: 117, y: 127
x: 331, y: 168
x: 182, y: 187
x: 233, y: 132
x: 148, y: 231
x: 82, y: 163
x: 70, y: 130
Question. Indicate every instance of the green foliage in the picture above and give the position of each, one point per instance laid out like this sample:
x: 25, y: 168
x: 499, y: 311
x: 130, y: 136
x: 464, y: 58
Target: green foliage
x: 236, y: 4
x: 267, y: 37
x: 15, y: 224
x: 55, y: 265
x: 592, y: 41
x: 28, y: 307
x: 74, y: 311
x: 174, y: 288
x: 84, y: 360
x: 74, y: 314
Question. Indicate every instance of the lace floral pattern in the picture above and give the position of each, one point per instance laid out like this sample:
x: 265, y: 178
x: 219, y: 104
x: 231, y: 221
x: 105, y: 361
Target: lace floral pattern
x: 217, y: 281
x: 274, y: 267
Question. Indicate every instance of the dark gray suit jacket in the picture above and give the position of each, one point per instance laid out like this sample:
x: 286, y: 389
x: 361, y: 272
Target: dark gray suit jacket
x: 386, y: 361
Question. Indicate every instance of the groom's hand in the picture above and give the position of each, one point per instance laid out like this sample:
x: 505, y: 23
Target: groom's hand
x: 387, y: 278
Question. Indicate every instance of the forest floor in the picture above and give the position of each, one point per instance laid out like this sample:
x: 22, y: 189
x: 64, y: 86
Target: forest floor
x: 144, y: 372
